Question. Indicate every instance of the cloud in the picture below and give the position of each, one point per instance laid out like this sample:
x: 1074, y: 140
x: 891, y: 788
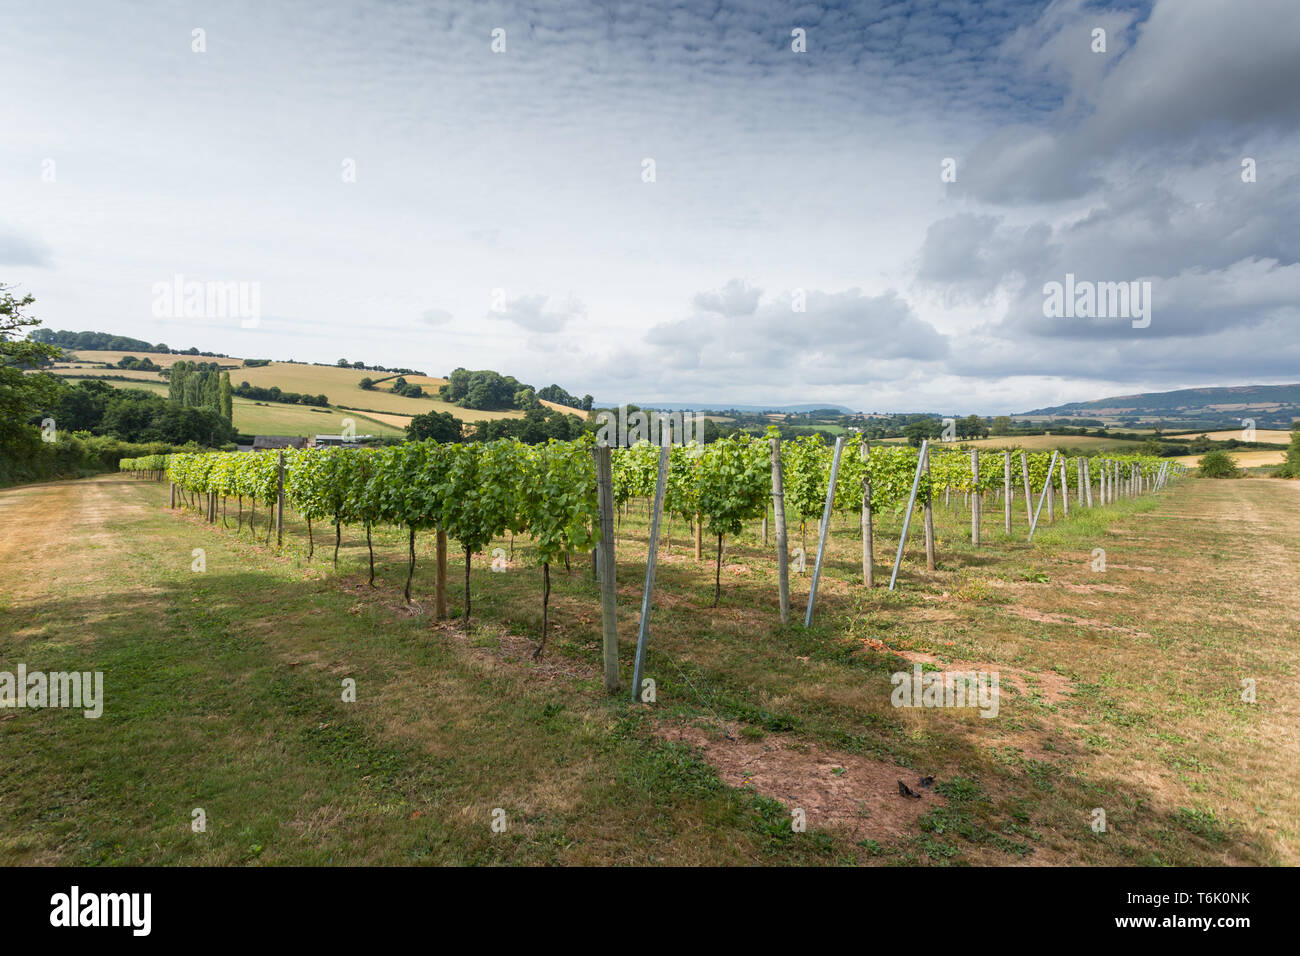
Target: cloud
x: 529, y: 312
x: 19, y: 250
x: 436, y: 317
x: 970, y: 256
x: 1200, y: 77
x: 837, y: 338
x: 735, y: 298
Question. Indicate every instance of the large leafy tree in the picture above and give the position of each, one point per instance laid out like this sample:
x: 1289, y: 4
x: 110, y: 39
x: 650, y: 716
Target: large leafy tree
x: 22, y: 396
x: 434, y: 426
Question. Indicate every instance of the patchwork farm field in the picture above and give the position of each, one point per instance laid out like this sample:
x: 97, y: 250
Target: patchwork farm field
x: 275, y: 418
x: 1121, y: 691
x: 341, y: 385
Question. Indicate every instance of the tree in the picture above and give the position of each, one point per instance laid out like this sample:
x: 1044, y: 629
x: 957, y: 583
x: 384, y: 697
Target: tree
x: 343, y: 363
x: 227, y: 402
x: 1291, y: 467
x: 435, y: 426
x: 21, y: 396
x: 367, y: 384
x: 1002, y: 425
x: 972, y: 426
x: 918, y: 431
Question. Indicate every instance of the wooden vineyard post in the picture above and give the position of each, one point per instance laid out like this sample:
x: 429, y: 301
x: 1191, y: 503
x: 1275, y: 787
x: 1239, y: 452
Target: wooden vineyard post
x: 440, y: 577
x: 173, y: 504
x: 1078, y: 485
x: 928, y: 514
x: 824, y: 530
x: 907, y: 515
x: 976, y: 504
x: 1047, y: 489
x: 647, y: 598
x: 868, y: 544
x: 1029, y: 498
x: 778, y: 516
x: 1065, y: 489
x: 279, y: 504
x: 699, y: 539
x: 1087, y: 480
x: 605, y: 566
x: 1050, y: 488
x: 1006, y: 489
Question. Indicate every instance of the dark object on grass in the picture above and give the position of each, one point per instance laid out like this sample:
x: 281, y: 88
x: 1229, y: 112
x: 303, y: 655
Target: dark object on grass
x: 905, y: 791
x: 927, y: 782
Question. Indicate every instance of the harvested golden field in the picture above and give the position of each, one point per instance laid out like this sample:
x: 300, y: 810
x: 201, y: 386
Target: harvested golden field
x: 1277, y: 435
x: 1048, y: 442
x: 164, y: 359
x: 82, y: 370
x: 1244, y: 459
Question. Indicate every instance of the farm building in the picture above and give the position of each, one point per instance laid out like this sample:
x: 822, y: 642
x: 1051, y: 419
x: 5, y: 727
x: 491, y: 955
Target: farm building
x: 277, y: 442
x: 324, y: 441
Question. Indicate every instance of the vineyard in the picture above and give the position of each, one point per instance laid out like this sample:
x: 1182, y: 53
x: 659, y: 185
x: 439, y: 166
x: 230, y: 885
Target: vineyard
x: 223, y: 620
x: 475, y: 494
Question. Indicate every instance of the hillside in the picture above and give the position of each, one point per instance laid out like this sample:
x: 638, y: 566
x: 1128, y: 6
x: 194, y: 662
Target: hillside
x: 376, y: 411
x: 1272, y: 403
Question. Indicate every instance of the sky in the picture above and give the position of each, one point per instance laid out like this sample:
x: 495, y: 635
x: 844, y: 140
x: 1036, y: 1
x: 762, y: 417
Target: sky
x: 750, y: 203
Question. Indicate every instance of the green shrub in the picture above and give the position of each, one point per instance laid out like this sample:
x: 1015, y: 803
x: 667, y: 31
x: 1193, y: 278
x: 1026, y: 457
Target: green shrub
x: 1218, y: 464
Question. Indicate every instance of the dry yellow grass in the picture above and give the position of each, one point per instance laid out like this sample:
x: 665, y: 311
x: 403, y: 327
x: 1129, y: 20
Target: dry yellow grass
x: 1048, y: 442
x: 80, y: 374
x: 158, y: 358
x: 1261, y: 434
x: 1244, y: 459
x: 398, y: 421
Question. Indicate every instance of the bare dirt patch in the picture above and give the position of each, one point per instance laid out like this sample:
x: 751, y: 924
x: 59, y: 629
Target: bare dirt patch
x: 835, y: 790
x: 1043, y: 617
x: 1053, y: 687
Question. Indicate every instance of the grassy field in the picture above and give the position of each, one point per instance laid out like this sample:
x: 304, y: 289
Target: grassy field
x: 377, y: 411
x: 274, y: 418
x: 1121, y: 690
x: 277, y: 418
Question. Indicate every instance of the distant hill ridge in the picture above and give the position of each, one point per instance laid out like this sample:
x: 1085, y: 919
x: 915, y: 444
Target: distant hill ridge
x: 1183, y: 400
